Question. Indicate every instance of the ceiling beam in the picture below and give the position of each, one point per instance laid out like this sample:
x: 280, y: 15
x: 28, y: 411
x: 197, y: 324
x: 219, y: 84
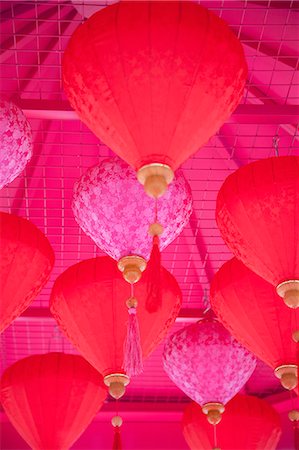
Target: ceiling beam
x: 255, y: 114
x: 40, y: 313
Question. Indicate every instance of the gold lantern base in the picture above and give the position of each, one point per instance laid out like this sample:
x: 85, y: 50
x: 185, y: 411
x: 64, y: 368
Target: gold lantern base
x: 132, y: 268
x: 287, y: 375
x: 213, y: 411
x: 289, y: 291
x: 155, y: 178
x: 116, y: 383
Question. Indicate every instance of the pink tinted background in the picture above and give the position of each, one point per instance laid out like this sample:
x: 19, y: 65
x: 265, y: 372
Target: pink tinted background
x: 33, y: 37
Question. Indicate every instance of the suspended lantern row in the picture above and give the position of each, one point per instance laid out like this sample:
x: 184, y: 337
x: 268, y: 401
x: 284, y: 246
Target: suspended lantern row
x: 251, y: 310
x: 249, y: 423
x: 26, y: 262
x: 112, y: 208
x: 51, y: 399
x: 16, y: 142
x: 89, y: 303
x: 258, y: 217
x: 208, y: 365
x: 155, y: 99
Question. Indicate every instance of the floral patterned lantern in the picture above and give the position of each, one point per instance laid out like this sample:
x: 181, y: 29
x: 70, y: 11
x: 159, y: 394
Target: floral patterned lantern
x: 208, y: 364
x: 249, y: 423
x: 154, y: 81
x: 16, y: 142
x: 112, y: 208
x: 51, y: 399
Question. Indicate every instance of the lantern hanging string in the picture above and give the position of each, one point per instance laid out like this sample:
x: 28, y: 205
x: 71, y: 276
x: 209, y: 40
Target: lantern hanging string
x: 132, y: 363
x: 275, y: 142
x: 215, y: 437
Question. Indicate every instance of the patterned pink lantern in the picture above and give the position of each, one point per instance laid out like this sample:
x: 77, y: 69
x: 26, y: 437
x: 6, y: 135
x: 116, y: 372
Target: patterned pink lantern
x: 208, y: 364
x: 16, y: 142
x: 112, y: 208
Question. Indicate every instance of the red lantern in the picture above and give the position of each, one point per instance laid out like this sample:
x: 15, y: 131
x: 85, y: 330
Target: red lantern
x: 26, y: 262
x: 258, y: 216
x: 51, y: 399
x: 89, y: 303
x: 154, y: 81
x: 249, y: 423
x: 251, y: 310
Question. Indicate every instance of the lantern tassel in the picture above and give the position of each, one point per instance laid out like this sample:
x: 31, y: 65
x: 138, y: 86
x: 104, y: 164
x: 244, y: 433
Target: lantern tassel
x: 133, y: 364
x: 154, y: 298
x: 117, y: 439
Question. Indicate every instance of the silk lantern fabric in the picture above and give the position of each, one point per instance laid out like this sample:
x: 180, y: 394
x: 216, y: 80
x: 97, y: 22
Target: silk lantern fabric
x: 51, y: 399
x: 112, y: 208
x: 154, y: 80
x: 16, y: 142
x: 207, y: 363
x: 89, y: 303
x: 258, y: 216
x: 26, y: 262
x: 249, y: 423
x: 251, y: 310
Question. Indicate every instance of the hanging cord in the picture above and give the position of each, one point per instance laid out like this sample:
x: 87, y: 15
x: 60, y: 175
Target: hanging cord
x: 275, y: 142
x: 132, y: 363
x: 215, y: 438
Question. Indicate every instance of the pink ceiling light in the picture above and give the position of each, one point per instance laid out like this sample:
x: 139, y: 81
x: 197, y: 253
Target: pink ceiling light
x: 16, y: 142
x: 208, y: 364
x: 112, y: 208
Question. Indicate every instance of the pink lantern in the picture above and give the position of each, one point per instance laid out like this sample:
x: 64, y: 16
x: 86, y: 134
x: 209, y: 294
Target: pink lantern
x: 16, y: 142
x: 208, y: 364
x: 112, y: 208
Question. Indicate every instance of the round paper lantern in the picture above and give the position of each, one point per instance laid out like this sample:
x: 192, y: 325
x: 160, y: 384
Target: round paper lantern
x: 51, y: 399
x: 26, y: 262
x: 251, y: 310
x: 208, y: 364
x: 154, y: 81
x: 249, y: 423
x: 112, y: 208
x: 89, y: 303
x: 258, y: 217
x: 16, y: 142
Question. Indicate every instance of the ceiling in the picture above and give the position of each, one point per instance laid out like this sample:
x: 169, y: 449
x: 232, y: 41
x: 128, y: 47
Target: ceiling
x: 34, y: 34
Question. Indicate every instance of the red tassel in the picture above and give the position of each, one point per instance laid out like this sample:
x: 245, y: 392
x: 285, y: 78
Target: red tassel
x: 133, y: 364
x: 154, y: 298
x: 117, y: 439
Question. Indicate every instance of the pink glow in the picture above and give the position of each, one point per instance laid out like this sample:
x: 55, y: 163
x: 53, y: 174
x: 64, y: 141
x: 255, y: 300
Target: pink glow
x: 33, y: 37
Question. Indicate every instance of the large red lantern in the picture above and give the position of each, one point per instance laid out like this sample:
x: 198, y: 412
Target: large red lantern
x: 154, y: 81
x: 258, y: 216
x: 26, y: 261
x: 249, y: 423
x: 51, y: 399
x: 251, y: 310
x: 208, y: 364
x: 89, y: 303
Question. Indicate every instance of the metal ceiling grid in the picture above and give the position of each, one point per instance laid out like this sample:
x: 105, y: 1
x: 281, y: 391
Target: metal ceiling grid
x: 33, y: 37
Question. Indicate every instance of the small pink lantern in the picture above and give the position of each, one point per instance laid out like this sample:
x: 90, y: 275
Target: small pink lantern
x: 16, y: 142
x: 208, y: 364
x: 112, y: 208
